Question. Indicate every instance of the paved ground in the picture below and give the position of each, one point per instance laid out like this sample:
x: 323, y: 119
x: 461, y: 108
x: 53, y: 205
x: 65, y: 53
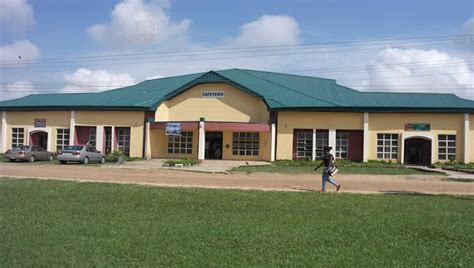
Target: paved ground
x: 216, y: 166
x: 427, y: 184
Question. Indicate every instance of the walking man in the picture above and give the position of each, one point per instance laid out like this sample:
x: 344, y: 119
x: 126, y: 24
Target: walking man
x: 328, y: 162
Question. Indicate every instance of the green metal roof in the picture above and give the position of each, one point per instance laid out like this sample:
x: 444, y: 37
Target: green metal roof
x: 279, y: 91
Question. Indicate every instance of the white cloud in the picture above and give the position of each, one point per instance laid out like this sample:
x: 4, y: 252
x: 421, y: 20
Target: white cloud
x: 16, y: 90
x: 10, y: 53
x: 418, y: 70
x: 468, y: 27
x: 85, y: 80
x: 138, y: 22
x: 16, y: 16
x: 267, y: 30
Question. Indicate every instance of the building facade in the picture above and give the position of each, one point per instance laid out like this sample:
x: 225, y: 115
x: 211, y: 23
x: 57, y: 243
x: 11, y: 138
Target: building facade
x: 246, y: 115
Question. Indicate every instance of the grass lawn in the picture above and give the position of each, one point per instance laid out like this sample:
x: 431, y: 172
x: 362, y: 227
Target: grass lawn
x: 344, y: 166
x: 54, y: 223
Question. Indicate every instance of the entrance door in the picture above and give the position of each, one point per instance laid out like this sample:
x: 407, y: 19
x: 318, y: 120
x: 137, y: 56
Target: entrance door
x: 39, y: 138
x: 213, y: 145
x: 417, y: 151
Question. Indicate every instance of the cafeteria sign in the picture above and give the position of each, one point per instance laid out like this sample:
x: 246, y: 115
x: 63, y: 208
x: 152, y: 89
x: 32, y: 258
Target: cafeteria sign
x: 173, y: 129
x: 40, y: 122
x: 212, y: 94
x: 417, y: 127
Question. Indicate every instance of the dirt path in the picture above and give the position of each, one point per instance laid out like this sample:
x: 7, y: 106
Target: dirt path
x: 267, y: 181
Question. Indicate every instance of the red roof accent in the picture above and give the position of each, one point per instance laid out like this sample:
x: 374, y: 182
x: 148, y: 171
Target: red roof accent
x: 236, y: 126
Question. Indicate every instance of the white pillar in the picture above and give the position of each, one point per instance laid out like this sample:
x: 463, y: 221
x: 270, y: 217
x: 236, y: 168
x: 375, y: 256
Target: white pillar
x: 366, y: 138
x: 467, y: 148
x: 332, y: 140
x: 313, y: 153
x: 99, y: 138
x: 147, y: 141
x: 50, y: 139
x: 3, y: 134
x: 273, y: 148
x: 112, y: 140
x: 72, y: 128
x: 202, y: 141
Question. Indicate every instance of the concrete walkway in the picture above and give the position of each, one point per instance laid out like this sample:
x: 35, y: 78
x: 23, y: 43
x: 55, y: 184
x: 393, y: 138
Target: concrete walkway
x: 210, y: 166
x: 450, y: 173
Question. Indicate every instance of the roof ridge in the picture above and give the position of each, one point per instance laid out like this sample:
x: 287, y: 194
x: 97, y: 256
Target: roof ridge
x: 288, y: 74
x: 301, y: 93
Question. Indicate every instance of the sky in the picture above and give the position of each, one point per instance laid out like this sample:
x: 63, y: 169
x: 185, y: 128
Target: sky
x: 53, y: 46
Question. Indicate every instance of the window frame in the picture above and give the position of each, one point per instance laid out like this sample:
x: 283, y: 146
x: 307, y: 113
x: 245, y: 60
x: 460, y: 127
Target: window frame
x: 448, y: 144
x: 61, y: 140
x: 18, y: 134
x: 245, y: 143
x: 339, y: 145
x: 181, y: 144
x: 123, y: 143
x: 393, y: 142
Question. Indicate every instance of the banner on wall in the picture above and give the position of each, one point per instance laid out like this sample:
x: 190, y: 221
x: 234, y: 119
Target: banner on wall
x: 173, y: 129
x: 40, y: 122
x: 417, y: 127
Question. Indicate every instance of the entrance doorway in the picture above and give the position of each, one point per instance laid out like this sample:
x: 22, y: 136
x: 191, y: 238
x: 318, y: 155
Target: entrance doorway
x: 39, y: 138
x: 418, y: 151
x: 213, y: 145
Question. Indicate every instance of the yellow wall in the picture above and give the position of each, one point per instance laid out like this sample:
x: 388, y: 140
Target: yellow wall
x: 288, y: 121
x: 132, y: 119
x: 26, y: 120
x: 159, y: 146
x: 235, y: 106
x: 61, y: 119
x: 395, y: 123
x: 471, y: 126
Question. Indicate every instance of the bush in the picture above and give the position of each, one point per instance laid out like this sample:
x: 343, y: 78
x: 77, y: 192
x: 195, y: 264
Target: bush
x: 183, y: 161
x: 113, y: 157
x: 340, y: 163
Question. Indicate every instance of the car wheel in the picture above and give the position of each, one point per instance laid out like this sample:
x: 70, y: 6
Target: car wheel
x: 86, y: 161
x: 50, y: 158
x: 102, y: 161
x: 12, y: 160
x: 62, y: 162
x: 31, y: 159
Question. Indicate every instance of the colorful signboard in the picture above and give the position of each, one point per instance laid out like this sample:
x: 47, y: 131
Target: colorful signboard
x: 417, y: 126
x: 212, y: 94
x: 173, y: 129
x: 40, y: 122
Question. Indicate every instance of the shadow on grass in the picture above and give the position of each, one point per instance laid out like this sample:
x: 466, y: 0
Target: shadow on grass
x: 406, y: 193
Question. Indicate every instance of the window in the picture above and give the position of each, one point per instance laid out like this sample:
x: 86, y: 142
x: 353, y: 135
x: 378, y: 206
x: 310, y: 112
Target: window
x: 342, y: 145
x: 181, y: 144
x: 245, y: 143
x: 18, y: 137
x: 322, y: 140
x: 123, y: 140
x: 387, y: 146
x: 304, y: 145
x: 62, y: 138
x: 92, y: 135
x: 108, y: 140
x: 447, y: 147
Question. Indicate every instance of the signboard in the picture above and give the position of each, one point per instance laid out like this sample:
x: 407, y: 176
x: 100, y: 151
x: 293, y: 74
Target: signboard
x: 417, y: 127
x: 40, y: 122
x: 173, y: 129
x: 212, y: 94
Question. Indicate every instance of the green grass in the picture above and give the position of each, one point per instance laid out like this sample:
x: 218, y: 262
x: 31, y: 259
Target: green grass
x: 344, y: 166
x: 53, y: 223
x: 456, y: 166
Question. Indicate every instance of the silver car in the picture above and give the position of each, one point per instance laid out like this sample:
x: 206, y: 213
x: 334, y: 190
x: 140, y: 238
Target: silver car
x: 29, y: 153
x: 80, y: 153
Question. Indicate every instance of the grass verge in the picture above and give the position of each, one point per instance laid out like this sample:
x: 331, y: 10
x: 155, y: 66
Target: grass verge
x: 54, y: 223
x: 344, y: 166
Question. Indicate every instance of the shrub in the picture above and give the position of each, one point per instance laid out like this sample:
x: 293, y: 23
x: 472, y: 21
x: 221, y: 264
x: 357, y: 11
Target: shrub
x: 113, y: 157
x: 183, y: 161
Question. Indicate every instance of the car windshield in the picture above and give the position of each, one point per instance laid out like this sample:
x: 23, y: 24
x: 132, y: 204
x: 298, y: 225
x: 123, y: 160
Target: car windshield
x: 22, y: 147
x: 73, y: 148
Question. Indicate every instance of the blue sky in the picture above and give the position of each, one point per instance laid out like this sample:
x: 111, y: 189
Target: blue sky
x: 41, y: 31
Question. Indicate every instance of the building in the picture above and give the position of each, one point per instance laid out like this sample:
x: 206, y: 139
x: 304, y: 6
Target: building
x: 247, y: 114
